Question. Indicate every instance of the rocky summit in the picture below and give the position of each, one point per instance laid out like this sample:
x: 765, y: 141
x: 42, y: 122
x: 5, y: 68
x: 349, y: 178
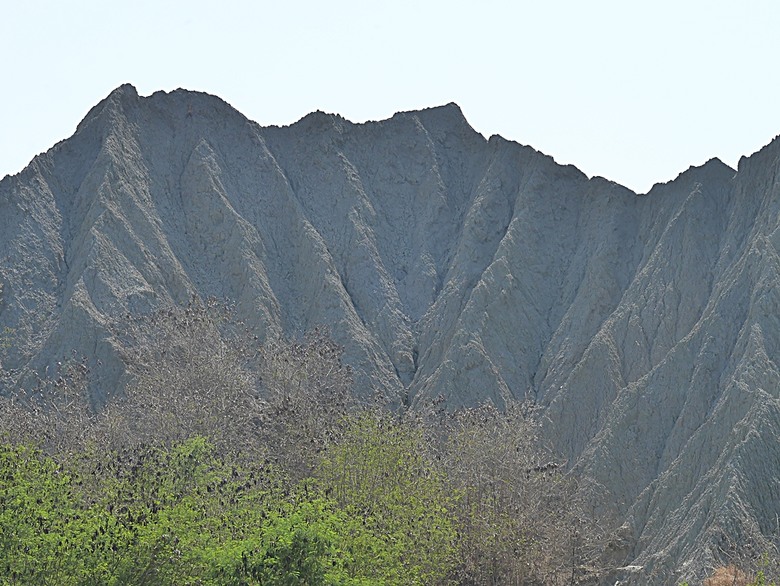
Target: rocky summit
x: 645, y: 327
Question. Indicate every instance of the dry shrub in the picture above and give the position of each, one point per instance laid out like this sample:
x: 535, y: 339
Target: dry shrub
x: 54, y: 414
x: 307, y: 393
x: 195, y: 371
x: 727, y: 576
x: 191, y: 372
x: 522, y: 518
x: 198, y: 371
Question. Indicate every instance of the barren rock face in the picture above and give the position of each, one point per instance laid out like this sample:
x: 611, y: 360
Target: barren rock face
x: 646, y: 327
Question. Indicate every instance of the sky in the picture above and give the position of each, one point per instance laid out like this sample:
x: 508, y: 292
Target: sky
x: 636, y: 92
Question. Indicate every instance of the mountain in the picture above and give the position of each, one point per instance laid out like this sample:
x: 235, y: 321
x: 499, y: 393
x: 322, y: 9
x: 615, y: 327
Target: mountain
x: 644, y: 326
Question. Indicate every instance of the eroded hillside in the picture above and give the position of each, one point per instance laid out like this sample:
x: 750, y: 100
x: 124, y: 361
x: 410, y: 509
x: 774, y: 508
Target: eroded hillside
x: 646, y: 327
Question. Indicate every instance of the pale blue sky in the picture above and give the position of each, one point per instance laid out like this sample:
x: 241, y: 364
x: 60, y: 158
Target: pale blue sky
x: 636, y: 92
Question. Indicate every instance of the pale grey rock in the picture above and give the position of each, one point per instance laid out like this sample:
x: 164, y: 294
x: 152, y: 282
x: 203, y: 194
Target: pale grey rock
x: 645, y: 327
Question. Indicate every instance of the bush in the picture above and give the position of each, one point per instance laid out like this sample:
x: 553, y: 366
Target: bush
x: 379, y: 473
x: 230, y: 462
x: 731, y: 575
x: 170, y: 516
x: 520, y: 516
x: 37, y: 513
x: 192, y: 371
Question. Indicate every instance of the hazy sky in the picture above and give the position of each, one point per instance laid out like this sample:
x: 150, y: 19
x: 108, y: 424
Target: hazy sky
x: 635, y: 92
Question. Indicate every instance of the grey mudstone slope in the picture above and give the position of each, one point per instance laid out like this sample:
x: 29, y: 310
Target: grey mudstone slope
x: 646, y: 327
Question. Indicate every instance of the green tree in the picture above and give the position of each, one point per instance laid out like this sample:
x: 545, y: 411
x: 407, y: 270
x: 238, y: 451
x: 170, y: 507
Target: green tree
x: 43, y: 531
x: 379, y: 473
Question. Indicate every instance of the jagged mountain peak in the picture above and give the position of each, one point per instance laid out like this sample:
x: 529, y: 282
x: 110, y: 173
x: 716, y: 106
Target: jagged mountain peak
x: 177, y: 107
x: 713, y: 172
x: 644, y: 327
x: 713, y: 167
x: 767, y: 155
x: 449, y: 114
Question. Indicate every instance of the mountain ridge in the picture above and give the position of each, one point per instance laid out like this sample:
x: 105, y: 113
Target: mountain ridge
x: 643, y: 326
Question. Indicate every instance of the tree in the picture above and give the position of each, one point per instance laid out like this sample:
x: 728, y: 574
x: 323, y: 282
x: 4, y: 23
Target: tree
x: 191, y: 371
x: 519, y: 514
x: 380, y: 473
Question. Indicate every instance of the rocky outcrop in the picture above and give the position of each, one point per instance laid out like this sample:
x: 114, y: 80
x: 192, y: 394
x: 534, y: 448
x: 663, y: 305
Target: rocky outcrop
x: 645, y: 327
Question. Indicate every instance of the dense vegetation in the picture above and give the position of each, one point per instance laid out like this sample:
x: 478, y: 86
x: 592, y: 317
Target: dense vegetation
x: 228, y: 462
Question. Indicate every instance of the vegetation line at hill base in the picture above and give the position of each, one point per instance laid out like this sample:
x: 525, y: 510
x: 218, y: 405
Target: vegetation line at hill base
x: 227, y: 462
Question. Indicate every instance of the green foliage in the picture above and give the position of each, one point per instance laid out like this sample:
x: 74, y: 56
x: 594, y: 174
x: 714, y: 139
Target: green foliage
x: 6, y: 338
x: 171, y: 516
x: 379, y: 473
x: 230, y: 463
x: 47, y: 534
x: 305, y: 542
x: 768, y: 565
x: 36, y: 511
x: 761, y: 580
